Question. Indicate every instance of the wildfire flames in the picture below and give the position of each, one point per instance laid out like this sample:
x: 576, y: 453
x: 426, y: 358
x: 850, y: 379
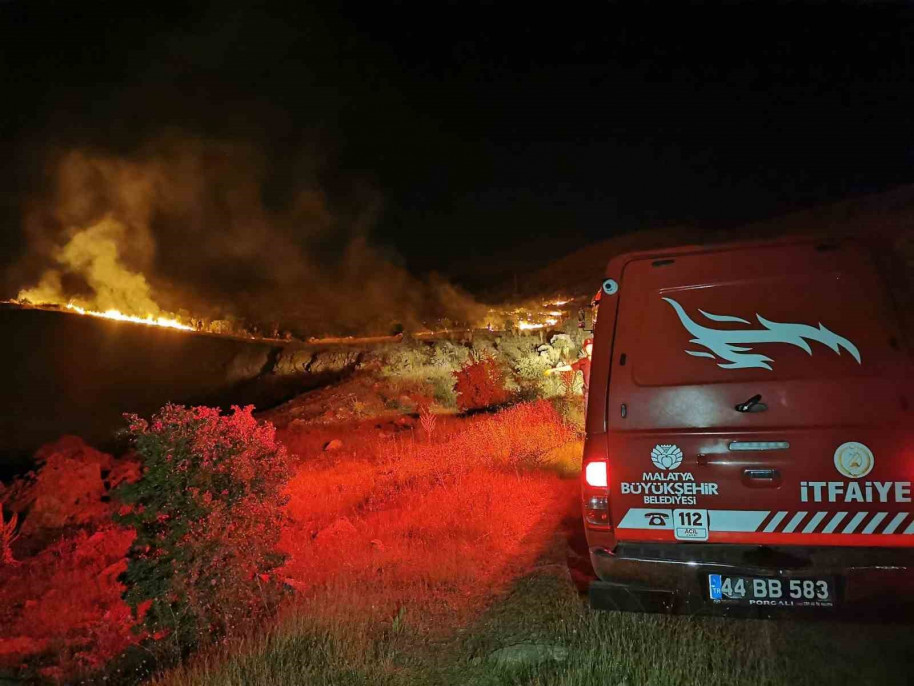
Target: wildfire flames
x: 529, y: 316
x: 527, y: 326
x: 113, y: 290
x: 96, y: 251
x: 94, y: 255
x: 149, y: 320
x: 534, y: 317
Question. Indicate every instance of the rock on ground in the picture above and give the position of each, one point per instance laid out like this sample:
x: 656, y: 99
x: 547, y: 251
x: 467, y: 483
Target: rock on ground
x: 340, y: 527
x: 70, y: 485
x: 523, y: 654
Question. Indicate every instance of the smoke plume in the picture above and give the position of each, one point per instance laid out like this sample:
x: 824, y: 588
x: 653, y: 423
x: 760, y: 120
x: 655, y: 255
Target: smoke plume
x: 185, y: 227
x: 94, y: 254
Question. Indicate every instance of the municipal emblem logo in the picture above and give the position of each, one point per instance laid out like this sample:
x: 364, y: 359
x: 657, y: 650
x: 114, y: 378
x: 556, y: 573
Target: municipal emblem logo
x: 666, y: 456
x: 854, y: 460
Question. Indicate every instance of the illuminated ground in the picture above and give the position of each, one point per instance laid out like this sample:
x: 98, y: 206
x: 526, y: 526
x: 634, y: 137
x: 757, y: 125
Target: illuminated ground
x: 455, y: 556
x: 429, y: 548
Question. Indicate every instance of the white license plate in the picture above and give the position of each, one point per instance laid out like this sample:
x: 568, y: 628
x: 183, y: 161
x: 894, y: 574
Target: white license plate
x: 764, y: 591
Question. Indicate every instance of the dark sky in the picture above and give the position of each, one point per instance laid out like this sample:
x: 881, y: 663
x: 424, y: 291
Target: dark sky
x: 491, y: 134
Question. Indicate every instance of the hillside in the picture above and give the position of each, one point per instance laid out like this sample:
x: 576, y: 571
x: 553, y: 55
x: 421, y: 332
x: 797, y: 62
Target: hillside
x: 889, y: 214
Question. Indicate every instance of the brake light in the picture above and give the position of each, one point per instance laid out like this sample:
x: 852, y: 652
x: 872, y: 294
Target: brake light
x: 595, y: 474
x: 595, y: 489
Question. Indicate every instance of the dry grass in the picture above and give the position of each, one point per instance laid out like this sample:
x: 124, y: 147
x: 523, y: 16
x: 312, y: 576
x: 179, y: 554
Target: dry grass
x: 620, y: 648
x: 455, y: 547
x: 423, y: 514
x: 374, y: 466
x: 401, y: 544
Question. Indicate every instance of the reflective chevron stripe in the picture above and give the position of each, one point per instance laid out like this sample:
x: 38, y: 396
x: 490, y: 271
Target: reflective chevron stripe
x: 854, y: 523
x: 775, y: 522
x: 835, y: 521
x: 814, y: 522
x: 874, y: 522
x: 780, y: 522
x: 794, y: 522
x: 896, y: 521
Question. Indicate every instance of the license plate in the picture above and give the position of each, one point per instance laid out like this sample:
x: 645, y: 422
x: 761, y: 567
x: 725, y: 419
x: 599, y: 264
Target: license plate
x: 764, y: 591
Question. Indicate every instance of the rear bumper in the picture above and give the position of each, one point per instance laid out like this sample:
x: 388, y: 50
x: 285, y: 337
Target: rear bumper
x: 664, y: 577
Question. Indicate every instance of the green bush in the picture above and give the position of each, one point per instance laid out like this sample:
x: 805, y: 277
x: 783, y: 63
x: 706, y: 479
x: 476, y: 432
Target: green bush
x: 207, y: 514
x: 431, y: 364
x: 522, y: 357
x: 529, y: 356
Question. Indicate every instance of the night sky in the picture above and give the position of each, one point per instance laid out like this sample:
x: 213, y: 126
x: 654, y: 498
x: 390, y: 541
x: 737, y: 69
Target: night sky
x: 490, y: 137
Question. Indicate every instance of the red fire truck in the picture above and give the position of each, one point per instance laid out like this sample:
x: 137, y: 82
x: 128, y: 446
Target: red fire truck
x: 750, y: 432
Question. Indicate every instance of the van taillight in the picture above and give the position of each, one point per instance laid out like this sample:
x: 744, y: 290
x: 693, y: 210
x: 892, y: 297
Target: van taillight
x: 595, y: 474
x: 596, y: 493
x: 595, y: 484
x: 596, y: 510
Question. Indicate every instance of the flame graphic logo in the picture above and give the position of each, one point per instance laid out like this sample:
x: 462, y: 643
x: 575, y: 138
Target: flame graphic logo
x: 731, y: 345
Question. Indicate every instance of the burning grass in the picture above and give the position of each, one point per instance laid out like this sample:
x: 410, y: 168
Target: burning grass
x: 148, y: 320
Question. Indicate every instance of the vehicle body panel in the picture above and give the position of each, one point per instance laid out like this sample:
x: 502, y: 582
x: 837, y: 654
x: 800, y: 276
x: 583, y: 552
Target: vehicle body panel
x: 693, y: 332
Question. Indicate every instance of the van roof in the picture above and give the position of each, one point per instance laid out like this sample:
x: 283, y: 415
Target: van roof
x: 694, y: 248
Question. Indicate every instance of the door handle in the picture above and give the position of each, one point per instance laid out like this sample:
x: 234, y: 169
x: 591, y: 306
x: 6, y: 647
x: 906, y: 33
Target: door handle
x: 754, y: 404
x: 762, y: 478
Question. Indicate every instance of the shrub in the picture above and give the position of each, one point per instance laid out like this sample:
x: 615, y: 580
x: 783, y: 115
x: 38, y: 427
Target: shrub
x: 570, y: 407
x: 62, y: 609
x: 8, y: 535
x: 443, y: 388
x: 207, y: 515
x: 433, y: 364
x: 529, y: 357
x: 480, y: 384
